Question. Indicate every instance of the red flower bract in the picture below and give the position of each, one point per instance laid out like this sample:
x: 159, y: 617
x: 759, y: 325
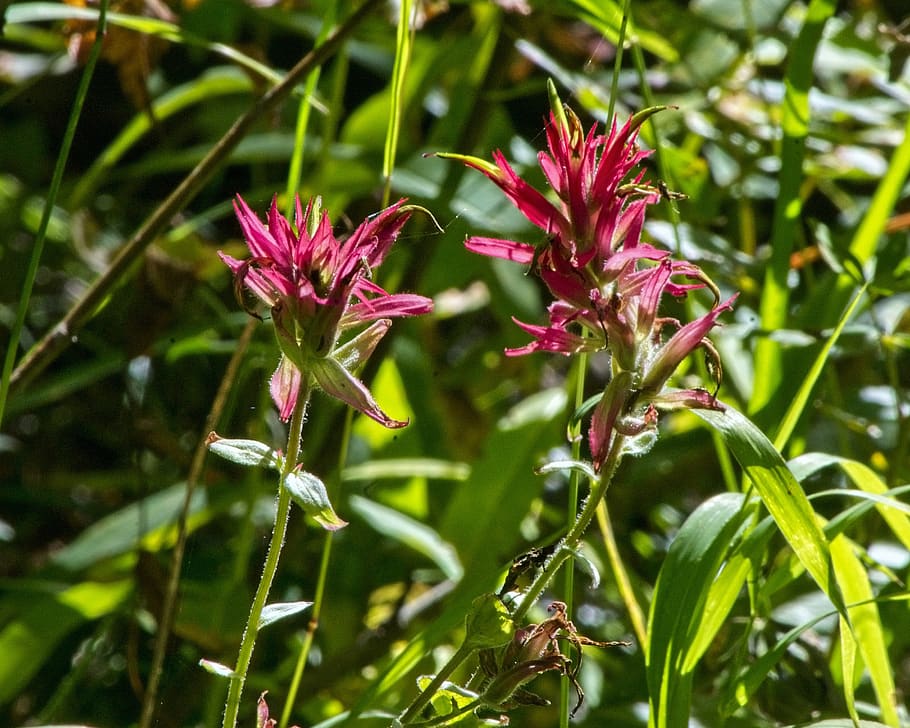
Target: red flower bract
x: 607, y: 282
x: 316, y: 289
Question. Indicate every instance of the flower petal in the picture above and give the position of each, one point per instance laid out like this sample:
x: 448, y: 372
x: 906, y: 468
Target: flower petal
x: 355, y: 352
x: 505, y: 249
x: 679, y: 346
x: 284, y: 387
x: 338, y: 382
x: 391, y: 305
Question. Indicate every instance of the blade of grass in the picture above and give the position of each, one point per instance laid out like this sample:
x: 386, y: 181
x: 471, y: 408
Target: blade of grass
x: 42, y: 12
x: 864, y: 630
x: 798, y: 405
x: 68, y: 136
x: 404, y: 41
x: 795, y: 126
x: 680, y: 593
x: 780, y: 492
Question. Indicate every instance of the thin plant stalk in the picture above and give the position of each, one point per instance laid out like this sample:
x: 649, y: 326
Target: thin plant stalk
x: 403, y: 43
x: 282, y: 513
x: 425, y: 695
x: 165, y: 625
x: 568, y: 584
x: 573, y: 538
x: 636, y: 613
x: 319, y: 596
x: 565, y: 550
x: 32, y: 272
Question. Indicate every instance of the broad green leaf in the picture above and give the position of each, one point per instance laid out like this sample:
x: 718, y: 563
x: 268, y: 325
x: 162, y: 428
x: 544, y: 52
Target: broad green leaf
x: 866, y: 629
x: 41, y: 620
x: 743, y: 560
x: 409, y: 532
x: 893, y: 512
x: 780, y: 492
x: 123, y: 530
x: 682, y: 588
x: 407, y: 468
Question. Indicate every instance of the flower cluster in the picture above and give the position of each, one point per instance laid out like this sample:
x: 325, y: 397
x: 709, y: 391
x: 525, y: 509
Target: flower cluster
x: 607, y: 282
x: 317, y: 289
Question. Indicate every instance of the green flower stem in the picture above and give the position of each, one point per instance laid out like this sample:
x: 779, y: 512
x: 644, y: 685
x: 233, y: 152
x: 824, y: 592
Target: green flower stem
x: 307, y: 645
x: 568, y: 586
x: 421, y: 701
x: 319, y: 596
x: 576, y: 533
x: 283, y: 510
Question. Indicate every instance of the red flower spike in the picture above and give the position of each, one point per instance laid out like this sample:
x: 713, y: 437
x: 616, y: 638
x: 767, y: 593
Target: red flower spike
x: 316, y: 289
x: 607, y: 282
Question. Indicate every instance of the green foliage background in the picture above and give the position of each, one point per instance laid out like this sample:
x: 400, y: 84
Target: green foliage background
x: 790, y: 143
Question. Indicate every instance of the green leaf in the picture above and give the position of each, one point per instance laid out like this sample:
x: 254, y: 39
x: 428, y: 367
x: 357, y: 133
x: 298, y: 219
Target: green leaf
x: 682, y: 588
x: 865, y: 626
x: 216, y: 668
x: 251, y: 453
x: 310, y: 494
x: 407, y: 468
x: 780, y: 493
x: 272, y: 613
x: 409, y: 532
x: 42, y: 620
x: 120, y: 532
x: 892, y: 511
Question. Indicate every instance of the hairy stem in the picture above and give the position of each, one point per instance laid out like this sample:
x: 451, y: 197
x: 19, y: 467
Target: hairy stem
x: 573, y: 538
x: 282, y: 512
x: 423, y: 699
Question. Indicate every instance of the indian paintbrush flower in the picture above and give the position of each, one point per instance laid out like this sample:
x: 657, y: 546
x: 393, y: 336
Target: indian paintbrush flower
x: 607, y: 282
x: 318, y: 289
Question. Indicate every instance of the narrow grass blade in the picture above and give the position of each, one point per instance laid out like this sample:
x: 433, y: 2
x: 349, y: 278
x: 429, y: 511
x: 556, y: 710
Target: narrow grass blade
x: 403, y: 42
x: 864, y: 629
x: 780, y: 492
x: 795, y: 126
x: 682, y: 589
x: 38, y: 248
x: 798, y: 405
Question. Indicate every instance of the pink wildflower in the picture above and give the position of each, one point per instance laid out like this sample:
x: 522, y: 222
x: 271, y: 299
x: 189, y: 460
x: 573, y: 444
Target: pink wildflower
x: 607, y: 282
x: 317, y: 289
